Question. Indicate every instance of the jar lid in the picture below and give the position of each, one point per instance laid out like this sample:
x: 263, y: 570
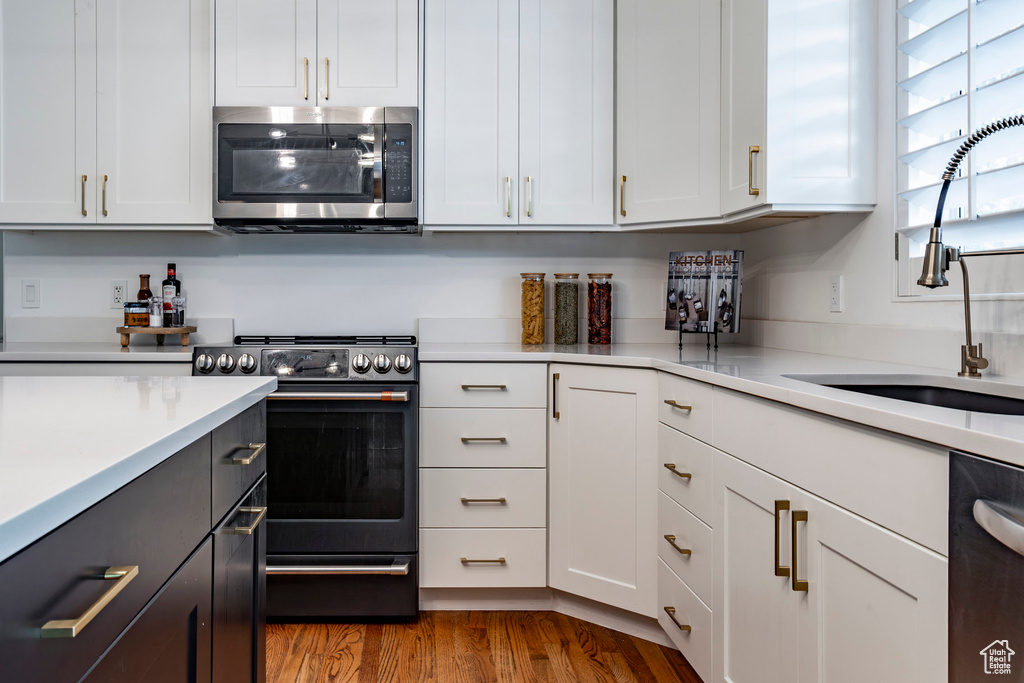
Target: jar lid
x: 595, y: 276
x: 532, y: 275
x: 136, y: 305
x: 563, y: 276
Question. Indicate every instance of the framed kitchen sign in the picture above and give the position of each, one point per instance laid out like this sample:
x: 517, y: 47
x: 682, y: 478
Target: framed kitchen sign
x: 704, y: 289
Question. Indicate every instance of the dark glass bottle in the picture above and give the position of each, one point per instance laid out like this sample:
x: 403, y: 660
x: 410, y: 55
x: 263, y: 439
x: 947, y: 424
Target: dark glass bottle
x: 171, y: 289
x: 145, y: 294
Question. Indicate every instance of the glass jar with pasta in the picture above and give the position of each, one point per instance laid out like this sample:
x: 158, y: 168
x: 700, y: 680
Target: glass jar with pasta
x: 533, y: 308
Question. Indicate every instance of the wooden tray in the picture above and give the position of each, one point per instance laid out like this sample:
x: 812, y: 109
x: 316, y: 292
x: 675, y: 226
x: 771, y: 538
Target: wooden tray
x: 160, y: 332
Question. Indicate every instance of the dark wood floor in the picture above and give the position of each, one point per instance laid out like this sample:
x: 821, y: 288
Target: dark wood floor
x: 468, y: 647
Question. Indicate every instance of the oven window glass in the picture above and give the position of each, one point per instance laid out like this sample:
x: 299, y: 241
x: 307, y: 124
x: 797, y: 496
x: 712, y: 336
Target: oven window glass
x: 336, y: 465
x: 299, y: 163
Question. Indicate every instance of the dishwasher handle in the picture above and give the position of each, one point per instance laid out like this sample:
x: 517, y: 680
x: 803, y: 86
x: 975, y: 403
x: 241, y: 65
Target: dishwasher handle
x: 1001, y: 523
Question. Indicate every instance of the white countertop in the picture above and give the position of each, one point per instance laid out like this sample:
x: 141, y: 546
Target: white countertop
x: 68, y: 442
x: 762, y: 372
x: 83, y: 352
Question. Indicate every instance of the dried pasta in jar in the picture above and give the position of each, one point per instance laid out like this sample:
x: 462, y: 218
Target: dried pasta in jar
x: 533, y: 308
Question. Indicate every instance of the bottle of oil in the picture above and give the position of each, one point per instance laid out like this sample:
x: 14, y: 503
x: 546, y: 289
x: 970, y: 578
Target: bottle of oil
x: 171, y: 289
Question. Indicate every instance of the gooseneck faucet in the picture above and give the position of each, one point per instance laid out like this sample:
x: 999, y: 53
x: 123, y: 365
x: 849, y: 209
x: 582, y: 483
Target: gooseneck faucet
x: 937, y: 257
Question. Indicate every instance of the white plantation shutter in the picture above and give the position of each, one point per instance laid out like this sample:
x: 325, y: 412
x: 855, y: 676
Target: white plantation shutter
x: 961, y: 66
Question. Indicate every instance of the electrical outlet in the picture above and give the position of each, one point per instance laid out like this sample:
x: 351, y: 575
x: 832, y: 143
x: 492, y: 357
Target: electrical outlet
x: 835, y: 294
x: 30, y: 294
x: 118, y: 293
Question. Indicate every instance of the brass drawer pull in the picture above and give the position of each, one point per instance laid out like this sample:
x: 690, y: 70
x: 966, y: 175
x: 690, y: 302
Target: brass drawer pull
x: 798, y: 584
x: 622, y: 196
x: 84, y: 212
x: 484, y: 439
x: 327, y: 80
x: 256, y: 448
x: 780, y: 505
x: 305, y: 78
x: 69, y: 628
x: 260, y: 513
x: 104, y: 204
x: 508, y: 196
x: 751, y: 190
x: 670, y: 466
x: 676, y: 404
x: 672, y: 542
x: 495, y: 387
x: 500, y: 560
x: 671, y: 612
x: 467, y: 501
x: 529, y: 196
x: 554, y: 396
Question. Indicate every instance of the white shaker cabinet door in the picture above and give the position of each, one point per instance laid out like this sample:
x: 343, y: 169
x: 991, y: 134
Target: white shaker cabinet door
x: 471, y: 112
x: 602, y: 485
x: 153, y: 158
x: 47, y: 111
x: 367, y: 53
x: 668, y: 82
x: 266, y: 53
x: 566, y: 111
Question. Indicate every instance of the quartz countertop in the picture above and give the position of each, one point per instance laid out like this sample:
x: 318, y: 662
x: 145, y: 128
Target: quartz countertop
x: 83, y: 352
x: 68, y: 442
x: 765, y: 373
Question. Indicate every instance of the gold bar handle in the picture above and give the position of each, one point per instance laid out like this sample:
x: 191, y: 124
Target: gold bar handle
x: 69, y: 628
x: 468, y: 501
x: 484, y: 439
x: 496, y: 387
x: 500, y: 560
x: 256, y: 448
x: 260, y: 513
x: 753, y: 191
x: 671, y: 612
x: 84, y: 212
x: 672, y: 542
x: 508, y: 197
x: 554, y: 395
x: 671, y: 467
x: 622, y: 196
x: 676, y: 404
x: 305, y: 78
x: 104, y: 194
x: 780, y: 505
x: 797, y: 516
x: 529, y: 196
x: 327, y: 80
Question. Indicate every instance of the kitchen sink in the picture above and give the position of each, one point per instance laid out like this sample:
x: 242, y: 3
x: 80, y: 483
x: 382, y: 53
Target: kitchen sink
x: 933, y: 390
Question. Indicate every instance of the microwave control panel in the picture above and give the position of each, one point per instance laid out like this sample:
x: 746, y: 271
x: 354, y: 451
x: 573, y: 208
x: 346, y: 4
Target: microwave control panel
x: 398, y: 161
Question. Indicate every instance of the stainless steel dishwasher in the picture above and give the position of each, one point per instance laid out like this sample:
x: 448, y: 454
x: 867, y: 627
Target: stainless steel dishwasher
x: 986, y: 570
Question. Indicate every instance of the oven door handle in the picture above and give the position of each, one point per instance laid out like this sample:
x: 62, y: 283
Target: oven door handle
x: 393, y: 569
x: 1001, y: 523
x: 386, y: 396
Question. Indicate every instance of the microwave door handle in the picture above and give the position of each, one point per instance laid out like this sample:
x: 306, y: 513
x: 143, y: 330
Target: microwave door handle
x: 1001, y: 524
x: 378, y: 163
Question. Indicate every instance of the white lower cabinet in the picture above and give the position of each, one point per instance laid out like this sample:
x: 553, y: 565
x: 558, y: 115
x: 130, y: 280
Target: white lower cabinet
x: 482, y: 558
x: 686, y: 620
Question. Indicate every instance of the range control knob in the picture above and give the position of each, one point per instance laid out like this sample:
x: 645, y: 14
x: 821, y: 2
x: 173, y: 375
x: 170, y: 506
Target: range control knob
x: 403, y: 363
x: 381, y: 363
x: 246, y: 363
x: 226, y: 363
x: 204, y: 363
x: 361, y: 364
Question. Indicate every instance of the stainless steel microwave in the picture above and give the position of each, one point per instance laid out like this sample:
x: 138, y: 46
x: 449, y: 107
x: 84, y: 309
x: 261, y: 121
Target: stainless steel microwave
x: 315, y: 169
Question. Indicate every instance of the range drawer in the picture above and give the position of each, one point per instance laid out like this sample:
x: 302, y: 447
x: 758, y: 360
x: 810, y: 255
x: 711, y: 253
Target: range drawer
x: 483, y: 498
x: 695, y: 644
x: 689, y: 456
x: 450, y: 558
x: 452, y: 437
x: 153, y: 523
x: 239, y: 457
x: 685, y: 405
x: 695, y: 567
x: 483, y: 385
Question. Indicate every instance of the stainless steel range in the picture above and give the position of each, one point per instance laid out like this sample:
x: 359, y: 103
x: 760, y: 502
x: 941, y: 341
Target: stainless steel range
x: 342, y: 465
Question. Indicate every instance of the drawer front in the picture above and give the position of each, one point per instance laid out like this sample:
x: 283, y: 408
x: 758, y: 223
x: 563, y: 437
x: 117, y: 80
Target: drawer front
x: 442, y: 550
x: 236, y: 466
x: 691, y: 457
x: 452, y: 437
x: 689, y: 405
x: 154, y: 522
x: 696, y: 645
x: 483, y: 385
x: 483, y: 498
x: 690, y: 534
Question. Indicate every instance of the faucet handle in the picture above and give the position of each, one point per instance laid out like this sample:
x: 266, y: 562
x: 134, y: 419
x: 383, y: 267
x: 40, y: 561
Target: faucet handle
x: 972, y: 360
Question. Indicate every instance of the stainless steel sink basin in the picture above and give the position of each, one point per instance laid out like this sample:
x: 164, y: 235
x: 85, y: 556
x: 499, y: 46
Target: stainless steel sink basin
x: 945, y: 392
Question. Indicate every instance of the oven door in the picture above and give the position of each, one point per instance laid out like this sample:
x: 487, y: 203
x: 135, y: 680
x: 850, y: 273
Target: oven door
x: 342, y: 469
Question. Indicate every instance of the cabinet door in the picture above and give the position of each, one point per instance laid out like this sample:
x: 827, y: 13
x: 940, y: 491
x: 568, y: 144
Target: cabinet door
x: 744, y: 92
x: 668, y: 82
x: 266, y: 53
x: 566, y: 107
x: 602, y: 474
x: 47, y: 111
x: 367, y: 53
x: 154, y: 129
x: 876, y: 604
x: 471, y: 112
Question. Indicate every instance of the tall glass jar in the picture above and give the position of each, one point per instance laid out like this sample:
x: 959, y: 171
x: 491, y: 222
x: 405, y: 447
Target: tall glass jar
x: 567, y: 308
x: 533, y: 308
x: 599, y: 308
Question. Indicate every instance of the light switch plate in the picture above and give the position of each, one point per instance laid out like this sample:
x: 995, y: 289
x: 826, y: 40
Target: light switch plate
x: 30, y: 296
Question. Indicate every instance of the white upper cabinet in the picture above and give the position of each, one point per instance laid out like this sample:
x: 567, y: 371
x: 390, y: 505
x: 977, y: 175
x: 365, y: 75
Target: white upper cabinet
x: 518, y: 102
x: 667, y: 99
x: 310, y: 53
x: 798, y: 106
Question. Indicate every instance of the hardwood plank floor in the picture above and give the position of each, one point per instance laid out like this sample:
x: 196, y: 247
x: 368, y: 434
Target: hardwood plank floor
x: 469, y: 647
